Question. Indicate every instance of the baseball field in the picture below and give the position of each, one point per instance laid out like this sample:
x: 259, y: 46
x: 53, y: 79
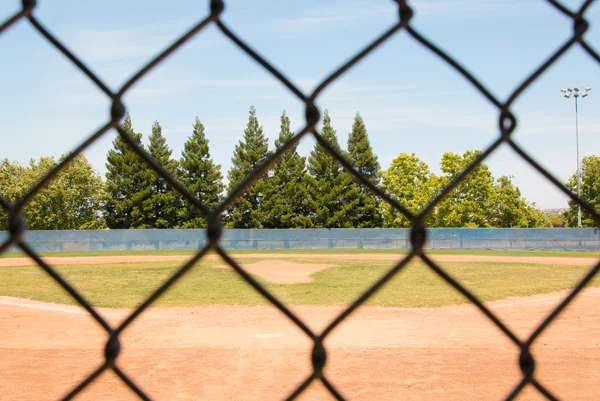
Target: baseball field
x: 212, y: 337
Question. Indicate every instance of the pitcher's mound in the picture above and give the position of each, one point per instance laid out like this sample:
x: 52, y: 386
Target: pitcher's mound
x: 281, y: 272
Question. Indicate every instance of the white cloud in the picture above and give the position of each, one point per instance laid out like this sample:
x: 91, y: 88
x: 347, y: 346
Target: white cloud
x: 80, y: 98
x: 227, y: 83
x: 351, y: 87
x: 545, y: 128
x: 479, y: 8
x: 433, y: 116
x: 270, y: 88
x: 328, y: 16
x: 79, y: 94
x: 137, y: 41
x: 347, y: 12
x: 122, y: 42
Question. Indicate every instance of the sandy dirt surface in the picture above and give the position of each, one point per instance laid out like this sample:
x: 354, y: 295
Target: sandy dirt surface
x: 254, y: 353
x: 89, y: 260
x: 282, y: 272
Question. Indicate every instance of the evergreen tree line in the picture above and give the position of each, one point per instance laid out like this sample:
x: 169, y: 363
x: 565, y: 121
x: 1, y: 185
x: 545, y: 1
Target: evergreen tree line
x: 297, y: 192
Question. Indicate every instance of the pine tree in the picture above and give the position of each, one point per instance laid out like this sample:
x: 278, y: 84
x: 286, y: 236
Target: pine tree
x: 248, y: 156
x: 161, y: 208
x: 201, y: 176
x: 360, y: 152
x: 286, y: 203
x: 127, y: 179
x: 332, y: 193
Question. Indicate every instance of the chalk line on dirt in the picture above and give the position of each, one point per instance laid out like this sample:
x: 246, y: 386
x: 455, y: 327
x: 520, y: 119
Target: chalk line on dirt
x: 41, y: 306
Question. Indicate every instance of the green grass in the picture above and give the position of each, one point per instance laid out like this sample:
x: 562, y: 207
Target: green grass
x: 578, y: 254
x: 128, y: 284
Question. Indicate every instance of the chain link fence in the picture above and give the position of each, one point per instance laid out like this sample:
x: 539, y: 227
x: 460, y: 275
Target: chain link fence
x: 507, y: 124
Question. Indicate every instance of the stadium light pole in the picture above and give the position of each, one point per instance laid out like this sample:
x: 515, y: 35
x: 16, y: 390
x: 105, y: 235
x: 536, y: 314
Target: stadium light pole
x: 576, y: 92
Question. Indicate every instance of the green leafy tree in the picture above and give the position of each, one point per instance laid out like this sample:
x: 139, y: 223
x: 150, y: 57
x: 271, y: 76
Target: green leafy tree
x: 161, y: 208
x: 468, y: 204
x: 40, y: 212
x: 12, y: 186
x: 70, y: 201
x: 80, y: 196
x: 508, y: 208
x: 480, y: 200
x: 590, y: 191
x: 249, y: 154
x: 200, y: 175
x: 332, y: 193
x: 536, y: 218
x: 411, y: 183
x: 366, y: 214
x: 286, y: 204
x: 127, y: 183
x: 557, y: 220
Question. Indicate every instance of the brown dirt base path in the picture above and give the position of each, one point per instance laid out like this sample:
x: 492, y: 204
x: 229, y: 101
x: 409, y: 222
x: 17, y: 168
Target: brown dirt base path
x: 90, y: 260
x: 253, y: 353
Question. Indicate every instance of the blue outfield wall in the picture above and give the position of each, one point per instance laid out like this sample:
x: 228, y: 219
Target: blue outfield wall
x: 377, y: 238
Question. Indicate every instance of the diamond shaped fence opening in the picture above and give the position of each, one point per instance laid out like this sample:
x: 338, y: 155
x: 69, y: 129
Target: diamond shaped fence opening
x: 506, y: 126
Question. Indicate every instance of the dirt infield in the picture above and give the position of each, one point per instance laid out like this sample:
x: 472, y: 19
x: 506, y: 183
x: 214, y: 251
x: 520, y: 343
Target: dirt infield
x: 89, y: 260
x: 253, y: 353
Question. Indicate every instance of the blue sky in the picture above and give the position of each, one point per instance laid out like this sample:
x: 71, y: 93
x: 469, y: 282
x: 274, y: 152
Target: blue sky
x: 411, y: 101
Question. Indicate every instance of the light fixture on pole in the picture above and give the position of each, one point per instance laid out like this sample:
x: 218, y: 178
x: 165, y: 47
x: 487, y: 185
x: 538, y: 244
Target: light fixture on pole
x: 576, y: 92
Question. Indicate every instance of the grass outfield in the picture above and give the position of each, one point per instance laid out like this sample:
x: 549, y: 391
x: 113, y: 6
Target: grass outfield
x: 128, y: 284
x: 573, y: 254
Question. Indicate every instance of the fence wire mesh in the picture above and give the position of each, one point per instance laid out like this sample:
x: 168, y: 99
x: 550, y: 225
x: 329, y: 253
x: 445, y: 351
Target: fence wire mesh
x: 507, y: 125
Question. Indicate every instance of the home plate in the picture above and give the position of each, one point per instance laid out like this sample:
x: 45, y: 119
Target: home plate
x: 267, y: 335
